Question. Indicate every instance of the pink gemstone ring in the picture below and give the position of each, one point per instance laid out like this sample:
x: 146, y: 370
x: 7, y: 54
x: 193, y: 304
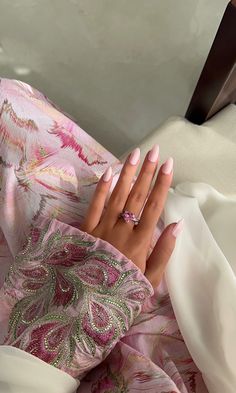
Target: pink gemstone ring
x: 129, y: 216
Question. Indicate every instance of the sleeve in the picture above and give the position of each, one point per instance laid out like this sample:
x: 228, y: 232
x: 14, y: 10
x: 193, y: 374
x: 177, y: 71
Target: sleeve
x: 72, y: 296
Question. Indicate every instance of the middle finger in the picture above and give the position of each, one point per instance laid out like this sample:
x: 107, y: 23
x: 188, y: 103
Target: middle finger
x: 139, y: 192
x: 121, y: 191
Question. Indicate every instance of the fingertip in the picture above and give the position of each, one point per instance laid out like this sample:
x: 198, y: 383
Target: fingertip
x: 106, y: 177
x: 178, y: 228
x: 134, y: 156
x: 167, y: 167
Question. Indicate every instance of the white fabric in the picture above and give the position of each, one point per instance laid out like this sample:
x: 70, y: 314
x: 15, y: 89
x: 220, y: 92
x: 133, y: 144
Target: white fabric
x: 204, y: 153
x: 21, y: 372
x: 201, y: 280
x: 201, y: 273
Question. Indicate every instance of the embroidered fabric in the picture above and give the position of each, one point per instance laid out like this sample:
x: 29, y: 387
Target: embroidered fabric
x: 72, y: 297
x: 49, y: 167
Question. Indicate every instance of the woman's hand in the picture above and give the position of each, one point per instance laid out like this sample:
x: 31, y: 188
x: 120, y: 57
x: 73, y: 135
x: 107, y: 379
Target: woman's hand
x: 134, y: 241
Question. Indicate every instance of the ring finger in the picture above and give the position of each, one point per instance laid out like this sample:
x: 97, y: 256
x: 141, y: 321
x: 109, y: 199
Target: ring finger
x: 157, y: 198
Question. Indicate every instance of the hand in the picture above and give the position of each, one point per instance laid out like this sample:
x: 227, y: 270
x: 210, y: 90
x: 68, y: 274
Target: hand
x: 134, y: 241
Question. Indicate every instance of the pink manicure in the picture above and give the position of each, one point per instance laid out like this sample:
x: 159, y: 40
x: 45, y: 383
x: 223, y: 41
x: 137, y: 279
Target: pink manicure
x: 178, y: 228
x: 154, y: 153
x: 107, y: 174
x: 134, y: 156
x: 168, y: 166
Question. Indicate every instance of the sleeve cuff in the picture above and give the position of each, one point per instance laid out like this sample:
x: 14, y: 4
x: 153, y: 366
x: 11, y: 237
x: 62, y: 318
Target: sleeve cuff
x: 77, y: 295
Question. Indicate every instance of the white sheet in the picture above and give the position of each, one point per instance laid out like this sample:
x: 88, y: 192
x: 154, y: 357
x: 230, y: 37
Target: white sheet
x: 205, y: 153
x: 201, y: 280
x: 21, y: 372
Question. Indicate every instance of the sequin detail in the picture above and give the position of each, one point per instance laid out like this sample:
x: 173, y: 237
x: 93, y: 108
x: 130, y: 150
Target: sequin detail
x: 73, y: 297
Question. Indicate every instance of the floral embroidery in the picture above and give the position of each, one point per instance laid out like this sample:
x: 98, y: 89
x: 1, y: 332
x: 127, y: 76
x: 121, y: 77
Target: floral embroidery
x: 75, y: 294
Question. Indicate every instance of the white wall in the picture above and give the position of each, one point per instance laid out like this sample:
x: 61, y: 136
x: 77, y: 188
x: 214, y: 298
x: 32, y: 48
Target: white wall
x: 120, y: 67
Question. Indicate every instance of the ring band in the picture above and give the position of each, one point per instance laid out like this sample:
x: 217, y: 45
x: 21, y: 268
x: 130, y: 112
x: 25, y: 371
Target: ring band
x: 129, y: 216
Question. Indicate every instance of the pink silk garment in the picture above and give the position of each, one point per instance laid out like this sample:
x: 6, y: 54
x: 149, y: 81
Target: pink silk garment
x: 49, y: 168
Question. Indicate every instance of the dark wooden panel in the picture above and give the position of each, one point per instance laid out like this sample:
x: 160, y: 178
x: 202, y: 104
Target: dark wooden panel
x: 216, y: 87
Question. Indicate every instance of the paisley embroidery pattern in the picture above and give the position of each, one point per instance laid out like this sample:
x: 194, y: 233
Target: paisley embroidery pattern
x: 72, y: 297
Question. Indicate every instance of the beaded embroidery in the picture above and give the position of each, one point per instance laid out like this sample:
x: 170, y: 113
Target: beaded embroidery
x: 72, y: 298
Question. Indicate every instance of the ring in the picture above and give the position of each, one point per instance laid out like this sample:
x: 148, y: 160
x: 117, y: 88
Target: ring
x: 129, y: 216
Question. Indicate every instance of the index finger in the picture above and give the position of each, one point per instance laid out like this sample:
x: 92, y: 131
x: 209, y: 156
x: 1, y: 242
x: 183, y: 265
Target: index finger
x: 156, y: 201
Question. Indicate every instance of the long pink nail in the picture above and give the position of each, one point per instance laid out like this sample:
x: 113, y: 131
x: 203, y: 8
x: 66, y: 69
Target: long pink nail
x: 168, y: 166
x: 107, y: 174
x: 178, y: 228
x: 154, y: 153
x: 134, y: 156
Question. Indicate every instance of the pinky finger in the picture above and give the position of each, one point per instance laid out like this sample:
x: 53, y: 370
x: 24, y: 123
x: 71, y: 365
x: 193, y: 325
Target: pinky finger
x: 96, y: 206
x: 161, y: 253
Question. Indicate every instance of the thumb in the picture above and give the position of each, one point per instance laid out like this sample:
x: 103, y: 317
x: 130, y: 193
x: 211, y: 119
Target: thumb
x: 158, y: 259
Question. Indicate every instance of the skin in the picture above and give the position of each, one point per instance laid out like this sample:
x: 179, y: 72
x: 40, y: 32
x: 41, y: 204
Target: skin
x: 134, y: 241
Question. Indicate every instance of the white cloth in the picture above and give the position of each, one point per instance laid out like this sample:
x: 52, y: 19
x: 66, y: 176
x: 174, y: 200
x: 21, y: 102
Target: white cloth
x: 201, y: 280
x: 21, y: 372
x: 205, y: 153
x: 201, y: 273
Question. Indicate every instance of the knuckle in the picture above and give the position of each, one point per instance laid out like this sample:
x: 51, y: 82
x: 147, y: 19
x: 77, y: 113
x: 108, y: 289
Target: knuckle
x: 101, y: 192
x: 167, y: 245
x: 101, y: 188
x: 153, y: 204
x: 96, y: 208
x: 161, y: 186
x: 116, y: 199
x: 137, y: 196
x: 125, y: 173
x: 148, y: 170
x: 142, y: 243
x: 167, y: 251
x: 164, y: 181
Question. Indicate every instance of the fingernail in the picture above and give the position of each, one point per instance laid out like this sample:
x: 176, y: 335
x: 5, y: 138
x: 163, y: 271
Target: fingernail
x: 168, y: 166
x: 154, y: 153
x: 134, y: 156
x: 178, y: 228
x: 107, y: 174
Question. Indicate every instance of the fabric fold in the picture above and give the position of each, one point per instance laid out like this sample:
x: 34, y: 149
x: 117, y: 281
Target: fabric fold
x: 202, y: 283
x: 21, y: 372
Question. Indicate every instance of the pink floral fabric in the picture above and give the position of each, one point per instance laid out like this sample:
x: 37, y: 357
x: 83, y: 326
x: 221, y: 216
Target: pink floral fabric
x: 73, y: 297
x: 49, y: 168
